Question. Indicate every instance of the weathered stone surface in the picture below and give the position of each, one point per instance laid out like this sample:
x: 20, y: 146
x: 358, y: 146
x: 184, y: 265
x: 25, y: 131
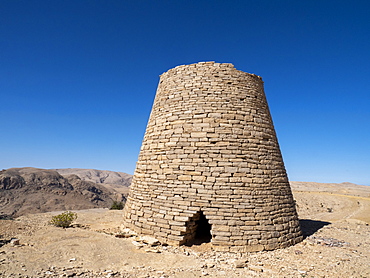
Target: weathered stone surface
x: 241, y: 264
x: 151, y: 241
x: 14, y: 242
x: 210, y: 150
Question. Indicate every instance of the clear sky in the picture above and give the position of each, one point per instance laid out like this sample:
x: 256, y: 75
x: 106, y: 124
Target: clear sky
x: 78, y: 78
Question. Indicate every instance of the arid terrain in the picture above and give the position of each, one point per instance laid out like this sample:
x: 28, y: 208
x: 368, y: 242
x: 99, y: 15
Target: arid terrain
x: 335, y: 219
x: 32, y: 190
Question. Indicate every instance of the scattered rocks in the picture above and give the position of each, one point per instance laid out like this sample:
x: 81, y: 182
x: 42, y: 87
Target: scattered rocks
x: 146, y: 241
x: 330, y: 242
x: 76, y: 272
x: 311, y: 258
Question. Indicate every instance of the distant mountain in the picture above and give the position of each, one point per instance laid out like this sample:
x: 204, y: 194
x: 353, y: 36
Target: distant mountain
x: 345, y: 188
x: 31, y: 190
x: 116, y: 181
x: 99, y: 176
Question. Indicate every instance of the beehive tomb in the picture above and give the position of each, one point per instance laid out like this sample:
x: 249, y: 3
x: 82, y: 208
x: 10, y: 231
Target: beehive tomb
x: 210, y: 166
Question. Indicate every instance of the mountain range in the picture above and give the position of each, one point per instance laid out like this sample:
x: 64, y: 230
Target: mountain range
x: 31, y: 190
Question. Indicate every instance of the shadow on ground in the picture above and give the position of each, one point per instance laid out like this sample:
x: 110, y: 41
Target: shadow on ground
x: 6, y: 217
x: 3, y: 242
x: 309, y: 227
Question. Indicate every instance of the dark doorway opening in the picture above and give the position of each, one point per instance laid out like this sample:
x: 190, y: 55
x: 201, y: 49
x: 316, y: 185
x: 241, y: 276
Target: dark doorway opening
x: 199, y: 230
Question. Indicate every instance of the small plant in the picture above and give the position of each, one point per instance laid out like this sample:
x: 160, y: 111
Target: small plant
x: 117, y: 205
x: 63, y: 220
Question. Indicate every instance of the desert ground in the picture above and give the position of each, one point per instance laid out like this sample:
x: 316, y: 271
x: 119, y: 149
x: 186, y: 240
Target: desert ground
x: 335, y: 220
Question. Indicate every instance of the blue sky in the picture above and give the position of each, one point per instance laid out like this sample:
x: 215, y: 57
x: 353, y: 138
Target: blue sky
x: 78, y: 78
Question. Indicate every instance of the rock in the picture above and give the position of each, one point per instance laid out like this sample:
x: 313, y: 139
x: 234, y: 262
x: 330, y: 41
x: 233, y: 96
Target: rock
x: 241, y: 264
x: 138, y: 244
x: 71, y: 273
x: 14, y: 242
x: 126, y: 233
x: 122, y: 236
x: 151, y: 241
x: 255, y: 268
x: 152, y: 251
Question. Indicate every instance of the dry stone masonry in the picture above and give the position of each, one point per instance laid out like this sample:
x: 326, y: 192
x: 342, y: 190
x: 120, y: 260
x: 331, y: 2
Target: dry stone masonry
x: 210, y: 166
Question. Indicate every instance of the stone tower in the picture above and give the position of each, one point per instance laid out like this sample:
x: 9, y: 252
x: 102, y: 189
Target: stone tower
x: 210, y: 166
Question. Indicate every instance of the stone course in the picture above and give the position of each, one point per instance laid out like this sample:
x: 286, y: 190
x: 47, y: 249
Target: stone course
x: 210, y: 149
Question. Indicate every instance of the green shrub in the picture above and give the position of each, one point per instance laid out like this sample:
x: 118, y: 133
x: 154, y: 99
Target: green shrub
x: 117, y: 205
x: 63, y: 220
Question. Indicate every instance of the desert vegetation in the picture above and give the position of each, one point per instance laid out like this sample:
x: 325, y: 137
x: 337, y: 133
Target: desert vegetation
x: 64, y: 219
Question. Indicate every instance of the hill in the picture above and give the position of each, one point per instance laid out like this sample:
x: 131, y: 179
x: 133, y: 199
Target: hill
x: 31, y: 190
x: 117, y: 181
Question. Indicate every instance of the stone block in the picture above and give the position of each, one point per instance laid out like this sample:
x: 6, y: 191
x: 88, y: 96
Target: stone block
x: 184, y: 178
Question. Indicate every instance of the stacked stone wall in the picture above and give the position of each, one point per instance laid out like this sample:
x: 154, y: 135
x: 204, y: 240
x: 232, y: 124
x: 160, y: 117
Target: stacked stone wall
x: 210, y: 146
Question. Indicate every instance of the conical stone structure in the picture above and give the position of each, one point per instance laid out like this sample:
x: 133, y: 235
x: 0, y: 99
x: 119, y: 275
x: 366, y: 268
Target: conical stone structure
x: 210, y: 166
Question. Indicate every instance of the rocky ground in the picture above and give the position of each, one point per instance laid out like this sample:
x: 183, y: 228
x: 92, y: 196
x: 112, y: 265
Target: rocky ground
x: 337, y: 244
